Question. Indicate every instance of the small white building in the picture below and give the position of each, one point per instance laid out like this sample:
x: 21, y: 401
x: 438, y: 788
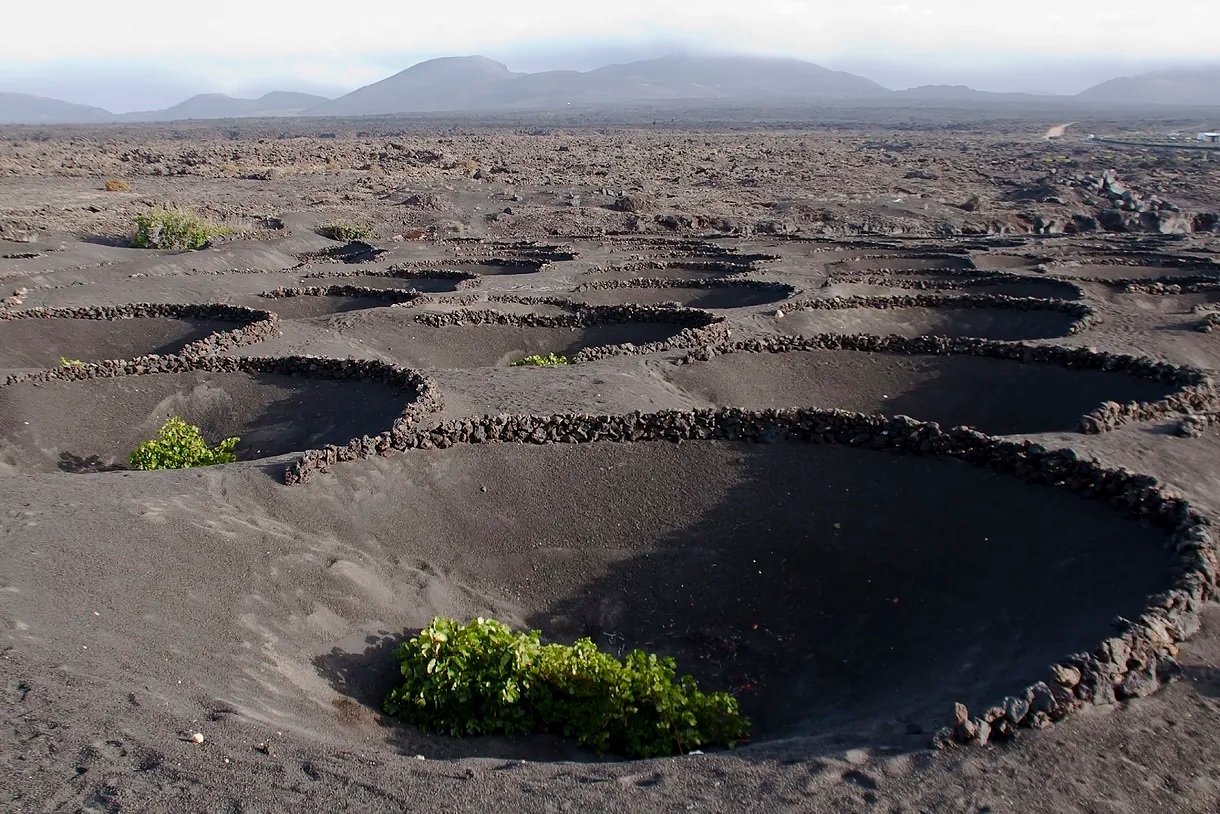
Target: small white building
x: 1212, y: 137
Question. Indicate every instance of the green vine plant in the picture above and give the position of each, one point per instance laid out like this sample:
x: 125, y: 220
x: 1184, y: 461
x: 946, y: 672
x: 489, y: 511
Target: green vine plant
x: 550, y: 360
x: 177, y: 229
x: 345, y: 230
x: 482, y: 678
x: 179, y: 445
x: 67, y: 363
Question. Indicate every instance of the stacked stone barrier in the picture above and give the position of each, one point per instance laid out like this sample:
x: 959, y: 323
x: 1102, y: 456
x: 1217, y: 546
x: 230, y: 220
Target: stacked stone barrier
x: 1134, y: 662
x: 722, y: 266
x: 698, y: 327
x: 465, y: 279
x: 959, y: 279
x: 423, y: 397
x: 1196, y: 391
x: 390, y: 296
x: 257, y: 325
x: 1085, y: 315
x: 667, y: 282
x: 466, y: 300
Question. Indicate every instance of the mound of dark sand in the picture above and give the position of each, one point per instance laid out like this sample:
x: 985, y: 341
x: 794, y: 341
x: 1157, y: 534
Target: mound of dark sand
x: 397, y: 335
x: 844, y: 595
x: 93, y: 425
x: 997, y: 396
x: 728, y: 296
x: 984, y: 323
x: 40, y: 343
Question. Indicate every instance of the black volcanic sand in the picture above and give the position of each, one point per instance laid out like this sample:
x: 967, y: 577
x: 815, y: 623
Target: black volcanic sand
x: 674, y: 271
x: 688, y: 297
x: 843, y: 594
x: 398, y: 335
x: 490, y: 269
x: 309, y: 306
x: 997, y: 396
x: 430, y: 285
x: 984, y: 323
x: 1002, y: 262
x: 40, y: 343
x: 93, y: 425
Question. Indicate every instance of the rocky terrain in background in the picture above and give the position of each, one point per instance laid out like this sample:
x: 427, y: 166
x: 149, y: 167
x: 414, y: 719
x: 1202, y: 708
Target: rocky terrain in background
x: 901, y: 178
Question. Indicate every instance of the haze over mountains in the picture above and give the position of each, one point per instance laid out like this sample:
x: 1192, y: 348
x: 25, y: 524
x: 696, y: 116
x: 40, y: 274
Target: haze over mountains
x: 480, y: 84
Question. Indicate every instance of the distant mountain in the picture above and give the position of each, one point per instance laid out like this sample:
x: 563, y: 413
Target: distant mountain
x: 450, y: 83
x: 219, y: 106
x: 1187, y: 86
x: 478, y: 83
x: 21, y: 108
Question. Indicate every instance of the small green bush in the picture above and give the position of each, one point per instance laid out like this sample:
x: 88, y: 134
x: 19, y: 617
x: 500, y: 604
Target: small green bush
x: 481, y: 678
x: 179, y: 445
x: 550, y: 360
x: 345, y: 230
x: 65, y: 362
x: 174, y: 229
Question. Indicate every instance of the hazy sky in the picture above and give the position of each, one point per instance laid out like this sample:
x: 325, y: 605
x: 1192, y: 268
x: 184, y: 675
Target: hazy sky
x: 121, y: 53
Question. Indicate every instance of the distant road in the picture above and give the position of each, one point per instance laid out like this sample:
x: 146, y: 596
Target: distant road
x: 1058, y: 130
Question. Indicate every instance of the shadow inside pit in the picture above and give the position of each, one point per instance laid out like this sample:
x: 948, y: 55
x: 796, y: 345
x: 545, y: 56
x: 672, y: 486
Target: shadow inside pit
x: 852, y: 597
x: 42, y: 343
x: 99, y: 422
x: 310, y: 306
x: 86, y: 465
x: 427, y: 285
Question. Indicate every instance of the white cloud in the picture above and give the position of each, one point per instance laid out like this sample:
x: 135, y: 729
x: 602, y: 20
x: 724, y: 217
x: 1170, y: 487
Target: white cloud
x: 331, y: 32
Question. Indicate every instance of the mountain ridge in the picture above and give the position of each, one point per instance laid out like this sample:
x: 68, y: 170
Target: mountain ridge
x: 477, y: 83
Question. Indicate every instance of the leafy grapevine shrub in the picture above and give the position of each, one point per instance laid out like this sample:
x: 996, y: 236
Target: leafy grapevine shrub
x: 174, y: 229
x: 179, y: 445
x: 67, y: 363
x: 482, y: 678
x: 345, y: 230
x: 550, y: 360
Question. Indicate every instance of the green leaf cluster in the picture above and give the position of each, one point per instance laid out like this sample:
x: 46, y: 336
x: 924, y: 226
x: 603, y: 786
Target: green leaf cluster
x: 177, y: 229
x: 482, y: 678
x: 345, y: 230
x: 550, y: 360
x: 65, y: 362
x: 179, y: 445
